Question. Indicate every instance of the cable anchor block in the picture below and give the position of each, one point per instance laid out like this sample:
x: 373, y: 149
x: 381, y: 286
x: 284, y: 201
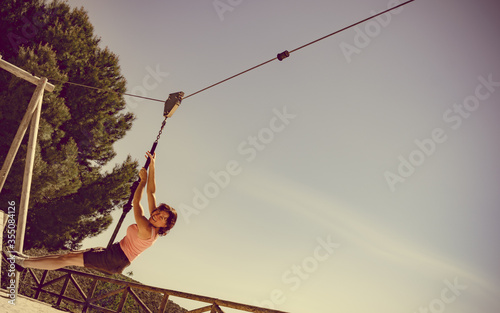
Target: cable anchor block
x: 172, y: 103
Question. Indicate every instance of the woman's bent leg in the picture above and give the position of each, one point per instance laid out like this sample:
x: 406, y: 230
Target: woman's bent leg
x: 53, y: 262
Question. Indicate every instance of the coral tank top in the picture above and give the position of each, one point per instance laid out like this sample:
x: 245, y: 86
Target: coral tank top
x: 132, y: 245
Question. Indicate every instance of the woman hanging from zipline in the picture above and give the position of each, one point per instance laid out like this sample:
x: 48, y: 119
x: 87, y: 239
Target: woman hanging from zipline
x: 116, y: 258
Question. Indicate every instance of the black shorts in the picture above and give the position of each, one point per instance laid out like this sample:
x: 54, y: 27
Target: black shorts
x: 110, y: 261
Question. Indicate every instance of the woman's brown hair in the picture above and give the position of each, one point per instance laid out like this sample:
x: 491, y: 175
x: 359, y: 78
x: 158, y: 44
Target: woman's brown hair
x: 172, y: 218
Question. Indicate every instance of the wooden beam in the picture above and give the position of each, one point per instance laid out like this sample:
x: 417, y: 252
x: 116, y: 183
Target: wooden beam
x: 39, y: 287
x: 163, y: 304
x: 123, y: 299
x: 216, y: 309
x: 3, y: 217
x: 201, y: 310
x: 87, y: 304
x: 16, y: 143
x: 28, y: 171
x: 23, y: 74
x: 63, y: 290
x: 28, y: 175
x: 139, y: 300
x: 173, y: 293
x: 101, y: 309
x: 57, y: 295
x: 53, y: 281
x: 108, y: 294
x: 215, y: 304
x: 77, y: 286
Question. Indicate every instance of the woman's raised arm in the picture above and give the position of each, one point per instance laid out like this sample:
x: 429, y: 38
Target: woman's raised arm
x: 151, y: 188
x: 140, y: 219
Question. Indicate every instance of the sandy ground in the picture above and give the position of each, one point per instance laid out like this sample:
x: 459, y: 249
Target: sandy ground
x: 24, y: 305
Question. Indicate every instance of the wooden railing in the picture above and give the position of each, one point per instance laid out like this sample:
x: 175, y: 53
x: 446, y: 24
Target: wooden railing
x: 125, y: 289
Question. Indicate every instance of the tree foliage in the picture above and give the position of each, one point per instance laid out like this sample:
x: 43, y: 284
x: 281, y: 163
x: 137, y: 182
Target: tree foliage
x: 71, y: 195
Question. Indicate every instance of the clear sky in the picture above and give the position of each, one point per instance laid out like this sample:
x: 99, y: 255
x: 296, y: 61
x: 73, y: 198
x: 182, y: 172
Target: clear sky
x: 360, y: 174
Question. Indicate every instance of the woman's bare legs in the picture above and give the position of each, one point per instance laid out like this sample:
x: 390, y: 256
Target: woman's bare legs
x: 50, y: 255
x: 53, y: 262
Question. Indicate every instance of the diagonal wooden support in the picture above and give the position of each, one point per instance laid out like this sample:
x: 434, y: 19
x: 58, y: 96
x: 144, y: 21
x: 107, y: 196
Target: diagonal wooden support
x: 164, y: 303
x: 28, y: 169
x: 32, y: 117
x: 201, y: 310
x: 216, y: 309
x: 35, y: 102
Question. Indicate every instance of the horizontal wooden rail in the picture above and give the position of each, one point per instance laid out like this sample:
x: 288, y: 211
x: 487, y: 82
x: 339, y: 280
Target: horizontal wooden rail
x: 214, y: 304
x: 23, y: 74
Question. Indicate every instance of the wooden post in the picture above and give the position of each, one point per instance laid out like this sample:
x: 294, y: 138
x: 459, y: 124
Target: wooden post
x: 164, y: 303
x: 3, y: 217
x: 32, y: 116
x: 16, y: 143
x: 28, y: 172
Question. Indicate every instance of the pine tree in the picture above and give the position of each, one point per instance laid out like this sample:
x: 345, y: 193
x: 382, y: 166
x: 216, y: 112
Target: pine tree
x: 71, y: 197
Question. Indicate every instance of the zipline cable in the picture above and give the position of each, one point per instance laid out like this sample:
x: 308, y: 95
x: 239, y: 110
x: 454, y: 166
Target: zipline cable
x: 285, y: 54
x: 174, y: 100
x: 350, y: 26
x: 107, y: 90
x: 280, y: 57
x: 225, y: 80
